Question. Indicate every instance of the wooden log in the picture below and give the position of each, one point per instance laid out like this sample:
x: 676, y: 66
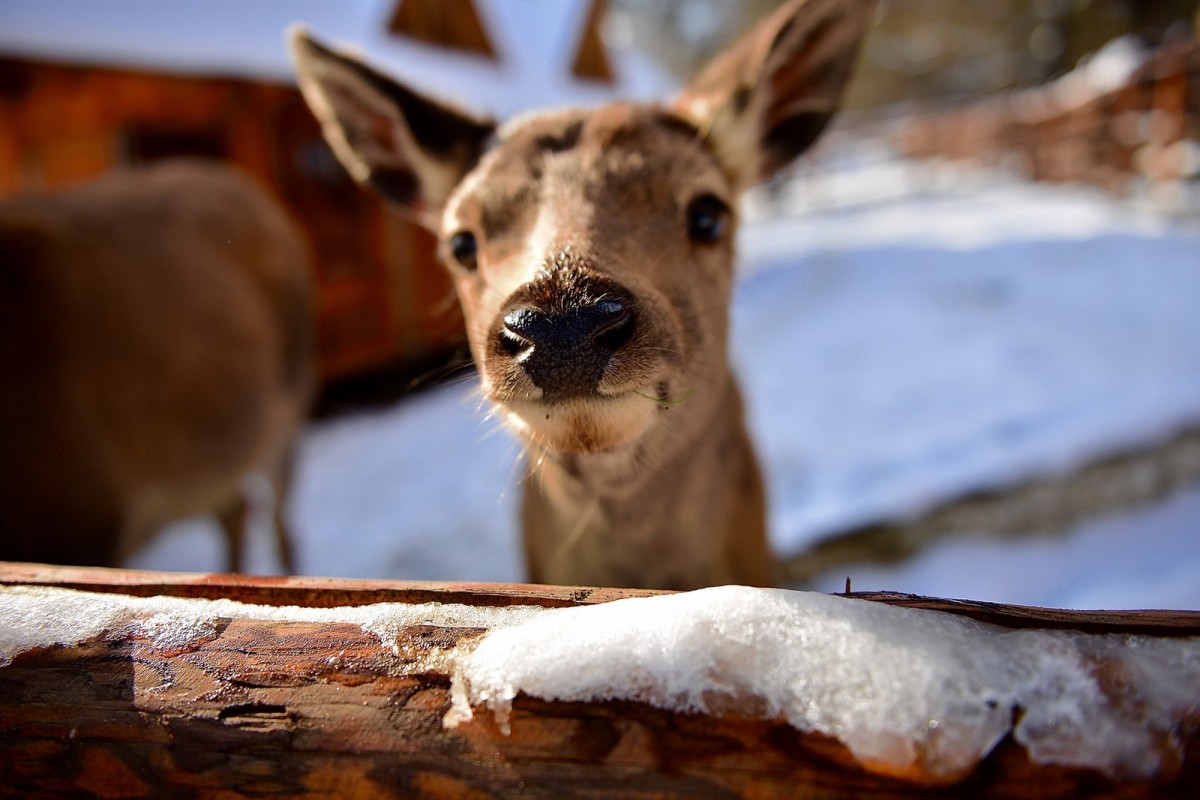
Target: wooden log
x: 262, y: 707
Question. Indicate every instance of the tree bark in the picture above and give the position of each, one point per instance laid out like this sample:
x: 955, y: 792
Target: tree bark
x: 287, y: 709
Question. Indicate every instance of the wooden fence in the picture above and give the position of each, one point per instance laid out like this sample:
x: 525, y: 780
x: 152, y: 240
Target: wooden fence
x: 1147, y: 128
x: 262, y: 707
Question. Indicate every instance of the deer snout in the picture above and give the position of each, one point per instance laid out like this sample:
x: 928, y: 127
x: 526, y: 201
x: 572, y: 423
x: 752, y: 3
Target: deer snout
x: 565, y: 348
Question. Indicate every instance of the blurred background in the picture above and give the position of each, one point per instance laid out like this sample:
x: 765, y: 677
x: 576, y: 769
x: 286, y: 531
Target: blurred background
x: 966, y: 322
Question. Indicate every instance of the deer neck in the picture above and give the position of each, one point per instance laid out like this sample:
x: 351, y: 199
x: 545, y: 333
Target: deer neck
x: 673, y: 506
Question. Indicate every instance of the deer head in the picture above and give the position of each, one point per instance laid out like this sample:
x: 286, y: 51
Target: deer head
x: 592, y: 249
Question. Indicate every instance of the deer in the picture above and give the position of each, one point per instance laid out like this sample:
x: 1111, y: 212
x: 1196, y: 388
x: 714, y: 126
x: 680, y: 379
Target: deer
x: 592, y: 252
x: 156, y: 350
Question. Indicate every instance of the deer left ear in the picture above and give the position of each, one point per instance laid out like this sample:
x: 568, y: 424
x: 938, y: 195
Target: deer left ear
x: 767, y: 98
x: 409, y: 148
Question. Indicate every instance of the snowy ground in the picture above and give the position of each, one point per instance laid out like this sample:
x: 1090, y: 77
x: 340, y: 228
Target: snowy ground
x: 901, y: 339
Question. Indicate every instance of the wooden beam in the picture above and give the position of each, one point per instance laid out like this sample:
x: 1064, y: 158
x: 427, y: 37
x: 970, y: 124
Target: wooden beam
x: 269, y: 707
x: 445, y: 23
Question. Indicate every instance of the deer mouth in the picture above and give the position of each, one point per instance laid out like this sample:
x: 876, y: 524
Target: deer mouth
x: 591, y: 424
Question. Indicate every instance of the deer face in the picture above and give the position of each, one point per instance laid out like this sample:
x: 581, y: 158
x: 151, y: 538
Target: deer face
x: 592, y: 253
x: 592, y: 250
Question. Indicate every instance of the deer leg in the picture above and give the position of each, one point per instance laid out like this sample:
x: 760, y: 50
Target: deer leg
x: 281, y: 478
x: 233, y: 518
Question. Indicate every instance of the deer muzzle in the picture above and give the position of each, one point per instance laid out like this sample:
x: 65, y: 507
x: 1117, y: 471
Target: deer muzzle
x: 569, y: 360
x: 566, y: 331
x: 566, y: 353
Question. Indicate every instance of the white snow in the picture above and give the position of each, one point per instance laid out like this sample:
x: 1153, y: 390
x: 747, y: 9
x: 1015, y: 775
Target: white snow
x: 1106, y: 70
x: 899, y: 353
x: 906, y: 691
x: 40, y: 617
x: 1141, y: 558
x: 232, y: 37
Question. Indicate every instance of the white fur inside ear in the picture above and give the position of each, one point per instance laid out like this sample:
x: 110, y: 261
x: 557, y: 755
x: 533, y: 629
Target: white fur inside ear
x: 322, y: 81
x: 332, y: 129
x: 793, y: 64
x: 365, y: 129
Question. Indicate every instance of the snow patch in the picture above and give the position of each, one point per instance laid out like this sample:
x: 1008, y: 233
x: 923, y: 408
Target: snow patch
x: 906, y: 691
x: 1106, y: 70
x: 1147, y: 557
x: 235, y: 38
x: 37, y: 617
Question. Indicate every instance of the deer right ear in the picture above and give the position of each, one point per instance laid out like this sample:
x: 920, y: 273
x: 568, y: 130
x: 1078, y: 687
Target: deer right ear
x: 408, y: 148
x: 766, y: 99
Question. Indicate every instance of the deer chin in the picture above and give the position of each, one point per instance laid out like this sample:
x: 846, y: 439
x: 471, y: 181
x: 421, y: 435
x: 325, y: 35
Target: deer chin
x: 583, y: 425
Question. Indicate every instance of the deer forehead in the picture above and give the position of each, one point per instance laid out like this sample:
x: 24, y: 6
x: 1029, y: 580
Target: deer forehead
x: 622, y: 160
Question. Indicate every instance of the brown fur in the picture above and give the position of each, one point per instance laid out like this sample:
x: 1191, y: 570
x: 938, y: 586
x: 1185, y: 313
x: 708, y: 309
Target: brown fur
x: 155, y: 349
x: 597, y: 315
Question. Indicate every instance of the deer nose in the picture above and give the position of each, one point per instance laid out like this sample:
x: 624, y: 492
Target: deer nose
x: 565, y: 352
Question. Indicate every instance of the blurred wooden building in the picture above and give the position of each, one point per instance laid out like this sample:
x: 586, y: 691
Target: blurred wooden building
x: 85, y: 88
x: 1123, y: 119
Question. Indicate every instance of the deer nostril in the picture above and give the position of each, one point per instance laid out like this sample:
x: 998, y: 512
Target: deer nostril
x: 513, y: 343
x: 520, y: 320
x: 614, y: 327
x: 518, y: 332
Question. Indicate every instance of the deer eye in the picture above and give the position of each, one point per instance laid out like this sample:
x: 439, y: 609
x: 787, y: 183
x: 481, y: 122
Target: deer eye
x: 707, y: 219
x: 465, y: 250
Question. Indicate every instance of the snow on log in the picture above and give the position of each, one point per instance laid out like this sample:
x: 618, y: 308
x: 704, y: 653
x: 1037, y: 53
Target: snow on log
x: 121, y: 683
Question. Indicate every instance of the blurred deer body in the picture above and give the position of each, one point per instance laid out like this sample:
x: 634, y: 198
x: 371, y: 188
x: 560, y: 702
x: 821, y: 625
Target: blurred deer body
x: 156, y: 350
x: 592, y: 252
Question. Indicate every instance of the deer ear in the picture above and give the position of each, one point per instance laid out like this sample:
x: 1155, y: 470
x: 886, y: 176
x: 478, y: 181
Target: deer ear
x: 766, y: 99
x: 410, y: 149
